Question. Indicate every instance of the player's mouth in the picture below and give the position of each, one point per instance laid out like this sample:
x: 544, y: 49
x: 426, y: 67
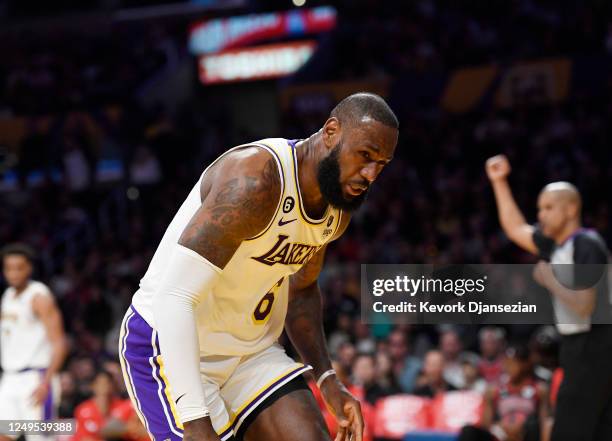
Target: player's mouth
x: 355, y: 190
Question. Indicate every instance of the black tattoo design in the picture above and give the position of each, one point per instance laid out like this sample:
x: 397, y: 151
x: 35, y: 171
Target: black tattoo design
x: 236, y: 208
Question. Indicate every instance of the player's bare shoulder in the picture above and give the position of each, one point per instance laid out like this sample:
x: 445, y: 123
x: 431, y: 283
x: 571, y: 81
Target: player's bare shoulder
x: 240, y: 194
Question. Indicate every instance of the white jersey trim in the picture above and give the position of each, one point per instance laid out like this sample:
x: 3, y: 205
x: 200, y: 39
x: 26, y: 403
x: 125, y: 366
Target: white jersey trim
x: 302, y: 210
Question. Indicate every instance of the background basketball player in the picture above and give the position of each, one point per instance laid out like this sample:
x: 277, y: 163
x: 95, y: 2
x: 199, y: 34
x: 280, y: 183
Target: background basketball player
x: 32, y: 342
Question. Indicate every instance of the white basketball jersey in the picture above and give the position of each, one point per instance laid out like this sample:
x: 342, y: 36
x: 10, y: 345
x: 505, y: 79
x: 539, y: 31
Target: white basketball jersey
x: 247, y: 308
x: 23, y: 339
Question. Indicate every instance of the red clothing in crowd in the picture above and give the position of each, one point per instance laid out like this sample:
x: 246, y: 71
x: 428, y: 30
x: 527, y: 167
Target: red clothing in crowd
x: 491, y: 370
x: 90, y: 420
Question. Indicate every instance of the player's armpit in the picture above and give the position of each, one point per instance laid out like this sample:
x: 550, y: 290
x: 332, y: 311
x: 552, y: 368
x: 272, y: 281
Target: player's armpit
x: 240, y: 197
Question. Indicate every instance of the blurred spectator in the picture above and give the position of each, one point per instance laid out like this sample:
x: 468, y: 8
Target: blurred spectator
x: 452, y: 351
x: 517, y: 408
x: 365, y: 343
x: 345, y: 357
x: 491, y: 344
x: 405, y: 366
x: 145, y: 168
x: 83, y: 371
x: 78, y: 173
x: 341, y: 334
x: 384, y: 383
x: 97, y: 313
x: 105, y: 415
x: 363, y: 373
x: 471, y: 374
x: 544, y: 352
x: 432, y: 381
x: 70, y: 397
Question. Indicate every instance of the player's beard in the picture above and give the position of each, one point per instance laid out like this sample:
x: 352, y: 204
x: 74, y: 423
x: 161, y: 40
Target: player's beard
x: 328, y: 176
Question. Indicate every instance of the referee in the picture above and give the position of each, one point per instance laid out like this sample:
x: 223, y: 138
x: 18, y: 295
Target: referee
x: 584, y: 403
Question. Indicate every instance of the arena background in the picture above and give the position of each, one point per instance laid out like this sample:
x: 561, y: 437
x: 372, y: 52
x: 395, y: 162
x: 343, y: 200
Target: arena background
x: 109, y: 112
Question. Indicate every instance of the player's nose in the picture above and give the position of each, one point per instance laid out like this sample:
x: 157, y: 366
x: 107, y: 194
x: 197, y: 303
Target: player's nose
x: 370, y: 172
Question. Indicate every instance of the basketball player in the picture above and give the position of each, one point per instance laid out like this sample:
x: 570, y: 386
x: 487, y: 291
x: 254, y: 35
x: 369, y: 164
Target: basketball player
x: 584, y: 405
x: 32, y: 342
x: 238, y: 263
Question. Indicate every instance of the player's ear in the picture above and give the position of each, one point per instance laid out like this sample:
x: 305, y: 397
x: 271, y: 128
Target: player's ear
x: 331, y: 132
x: 573, y: 211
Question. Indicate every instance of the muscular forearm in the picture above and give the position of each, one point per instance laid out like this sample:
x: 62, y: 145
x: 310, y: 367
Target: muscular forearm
x: 510, y: 216
x: 304, y: 325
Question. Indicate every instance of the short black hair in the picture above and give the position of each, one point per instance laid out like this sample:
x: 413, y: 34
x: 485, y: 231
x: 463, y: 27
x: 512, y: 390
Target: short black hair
x: 19, y: 249
x: 518, y: 351
x: 359, y: 105
x: 104, y: 372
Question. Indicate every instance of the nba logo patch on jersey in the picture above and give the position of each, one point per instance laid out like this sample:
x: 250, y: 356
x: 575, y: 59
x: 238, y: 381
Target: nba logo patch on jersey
x: 327, y: 231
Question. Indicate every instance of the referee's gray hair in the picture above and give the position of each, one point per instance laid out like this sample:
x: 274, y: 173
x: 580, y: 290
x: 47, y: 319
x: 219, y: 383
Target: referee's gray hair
x: 567, y: 189
x: 561, y: 186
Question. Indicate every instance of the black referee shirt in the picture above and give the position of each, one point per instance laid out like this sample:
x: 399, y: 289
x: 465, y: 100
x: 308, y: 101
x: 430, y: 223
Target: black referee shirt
x: 589, y: 252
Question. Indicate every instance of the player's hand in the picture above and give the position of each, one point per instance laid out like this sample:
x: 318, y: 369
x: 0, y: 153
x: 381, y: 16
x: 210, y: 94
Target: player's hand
x: 498, y: 168
x: 200, y: 430
x: 543, y: 273
x: 40, y: 393
x: 346, y: 409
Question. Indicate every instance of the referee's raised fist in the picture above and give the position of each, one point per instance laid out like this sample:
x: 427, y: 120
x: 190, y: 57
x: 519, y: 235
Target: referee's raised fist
x: 498, y: 167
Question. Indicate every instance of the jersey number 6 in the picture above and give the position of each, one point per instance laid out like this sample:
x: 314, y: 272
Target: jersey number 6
x: 264, y: 307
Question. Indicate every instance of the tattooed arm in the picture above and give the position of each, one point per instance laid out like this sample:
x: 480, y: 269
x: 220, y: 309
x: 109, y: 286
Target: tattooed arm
x: 239, y: 196
x: 304, y: 325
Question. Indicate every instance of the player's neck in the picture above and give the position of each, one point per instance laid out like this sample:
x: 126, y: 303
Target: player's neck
x: 314, y: 203
x: 21, y: 288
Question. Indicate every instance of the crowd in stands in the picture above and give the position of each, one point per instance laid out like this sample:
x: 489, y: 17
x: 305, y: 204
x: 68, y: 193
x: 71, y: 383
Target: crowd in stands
x: 96, y: 224
x: 389, y: 39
